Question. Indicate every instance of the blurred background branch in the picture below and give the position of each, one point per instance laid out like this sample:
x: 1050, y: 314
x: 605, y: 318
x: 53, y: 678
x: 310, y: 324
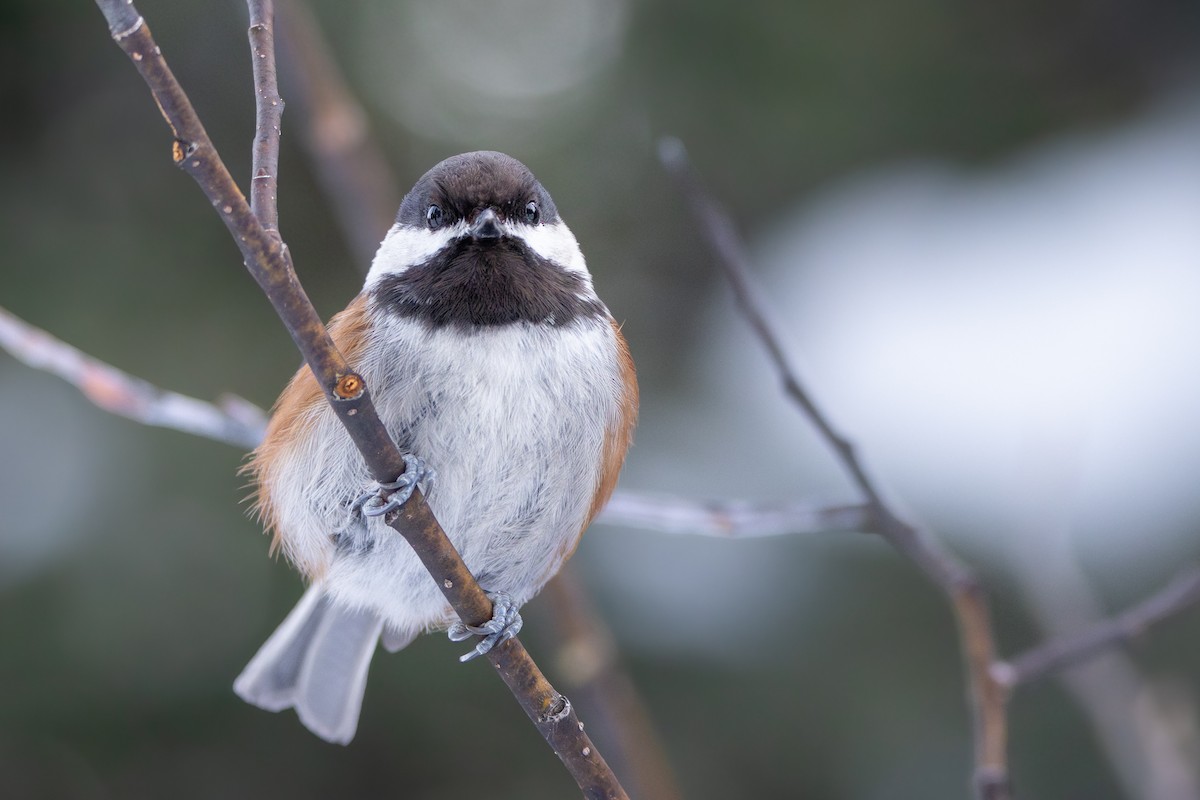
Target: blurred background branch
x: 590, y: 665
x: 346, y: 158
x: 726, y: 518
x: 231, y: 420
x: 1159, y: 772
x: 962, y: 589
x: 1036, y: 663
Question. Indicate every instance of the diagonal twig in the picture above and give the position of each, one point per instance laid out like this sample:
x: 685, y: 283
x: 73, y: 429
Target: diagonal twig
x: 966, y: 596
x: 1181, y: 593
x: 267, y: 260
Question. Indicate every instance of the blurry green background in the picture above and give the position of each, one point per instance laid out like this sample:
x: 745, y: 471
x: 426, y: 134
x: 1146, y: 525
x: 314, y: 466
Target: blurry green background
x: 133, y: 587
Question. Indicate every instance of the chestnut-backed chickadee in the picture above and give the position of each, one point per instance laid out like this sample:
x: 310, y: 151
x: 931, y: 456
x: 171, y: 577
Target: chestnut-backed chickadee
x: 490, y: 358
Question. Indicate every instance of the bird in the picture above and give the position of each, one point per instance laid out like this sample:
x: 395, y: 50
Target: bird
x: 509, y: 388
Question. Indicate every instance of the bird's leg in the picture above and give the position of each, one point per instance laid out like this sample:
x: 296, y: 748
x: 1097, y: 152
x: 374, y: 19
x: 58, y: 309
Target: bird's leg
x: 380, y: 498
x: 505, y: 623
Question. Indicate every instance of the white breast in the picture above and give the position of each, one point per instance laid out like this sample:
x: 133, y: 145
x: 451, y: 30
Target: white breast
x: 512, y: 417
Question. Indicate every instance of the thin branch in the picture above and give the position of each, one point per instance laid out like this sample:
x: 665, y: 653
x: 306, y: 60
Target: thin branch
x: 957, y: 582
x: 347, y: 394
x: 233, y: 420
x: 268, y: 116
x: 1181, y: 593
x: 349, y: 164
x: 730, y: 519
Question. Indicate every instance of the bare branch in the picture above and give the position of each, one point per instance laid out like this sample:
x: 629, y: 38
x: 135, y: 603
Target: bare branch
x: 233, y: 420
x: 1181, y: 593
x: 730, y: 519
x: 347, y: 393
x: 268, y: 116
x: 963, y: 591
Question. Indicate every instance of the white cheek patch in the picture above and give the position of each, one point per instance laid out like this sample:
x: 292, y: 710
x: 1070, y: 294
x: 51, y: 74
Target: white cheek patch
x: 554, y: 243
x: 405, y: 247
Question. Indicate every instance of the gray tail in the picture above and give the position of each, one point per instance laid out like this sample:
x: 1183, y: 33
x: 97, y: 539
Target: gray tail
x: 315, y: 662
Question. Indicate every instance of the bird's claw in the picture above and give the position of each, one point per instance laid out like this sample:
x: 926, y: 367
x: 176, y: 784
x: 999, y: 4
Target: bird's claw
x: 505, y: 623
x: 382, y: 498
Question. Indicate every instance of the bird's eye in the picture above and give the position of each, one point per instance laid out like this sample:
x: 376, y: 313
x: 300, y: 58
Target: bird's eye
x: 532, y: 214
x: 434, y: 217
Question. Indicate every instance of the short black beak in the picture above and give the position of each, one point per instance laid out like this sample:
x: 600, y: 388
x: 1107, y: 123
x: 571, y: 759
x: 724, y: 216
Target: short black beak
x: 486, y: 226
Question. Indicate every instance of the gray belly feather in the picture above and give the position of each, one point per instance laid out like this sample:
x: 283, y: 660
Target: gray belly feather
x: 513, y: 420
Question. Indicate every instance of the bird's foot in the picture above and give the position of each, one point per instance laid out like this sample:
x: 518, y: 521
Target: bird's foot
x: 381, y: 498
x: 505, y: 623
